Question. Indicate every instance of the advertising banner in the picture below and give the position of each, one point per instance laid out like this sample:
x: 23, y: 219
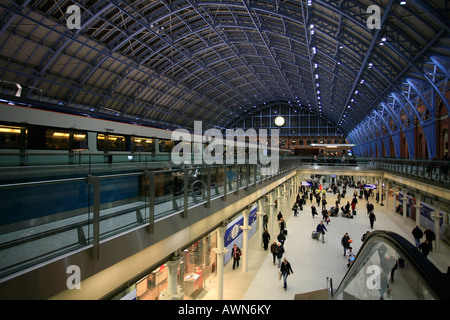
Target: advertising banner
x: 234, y: 233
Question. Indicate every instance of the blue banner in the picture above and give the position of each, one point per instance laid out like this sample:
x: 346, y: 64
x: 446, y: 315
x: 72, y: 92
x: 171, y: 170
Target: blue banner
x: 234, y: 233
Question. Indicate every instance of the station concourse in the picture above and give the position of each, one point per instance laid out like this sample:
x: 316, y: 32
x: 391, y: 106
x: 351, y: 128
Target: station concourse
x: 141, y: 140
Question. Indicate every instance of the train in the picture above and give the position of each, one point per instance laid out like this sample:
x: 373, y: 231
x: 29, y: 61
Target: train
x: 35, y: 133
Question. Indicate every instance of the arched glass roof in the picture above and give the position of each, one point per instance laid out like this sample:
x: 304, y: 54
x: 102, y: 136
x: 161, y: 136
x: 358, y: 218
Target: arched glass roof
x: 176, y: 62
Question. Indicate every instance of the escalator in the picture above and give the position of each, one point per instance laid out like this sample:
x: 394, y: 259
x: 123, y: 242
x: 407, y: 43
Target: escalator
x: 388, y: 267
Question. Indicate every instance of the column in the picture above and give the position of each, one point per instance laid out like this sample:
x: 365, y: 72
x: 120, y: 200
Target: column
x: 436, y: 217
x: 386, y: 198
x: 245, y: 228
x: 220, y: 251
x: 405, y: 208
x: 260, y: 213
x: 418, y: 206
x: 272, y: 212
x: 173, y: 291
x: 278, y: 200
x: 394, y: 196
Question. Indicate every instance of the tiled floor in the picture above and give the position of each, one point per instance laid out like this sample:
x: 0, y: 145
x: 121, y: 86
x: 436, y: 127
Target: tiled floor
x: 312, y: 261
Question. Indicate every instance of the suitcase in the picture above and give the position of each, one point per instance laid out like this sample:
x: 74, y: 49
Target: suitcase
x: 315, y: 235
x: 285, y: 232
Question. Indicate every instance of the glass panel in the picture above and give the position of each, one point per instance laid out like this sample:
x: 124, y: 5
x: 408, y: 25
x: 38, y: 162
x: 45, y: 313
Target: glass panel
x: 56, y: 139
x: 38, y: 223
x: 121, y: 208
x: 385, y: 274
x: 10, y: 137
x: 111, y: 142
x: 144, y: 144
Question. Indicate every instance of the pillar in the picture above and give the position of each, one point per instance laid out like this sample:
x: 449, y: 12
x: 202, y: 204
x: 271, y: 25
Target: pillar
x: 172, y: 284
x: 418, y: 206
x: 278, y: 201
x: 436, y: 216
x: 386, y: 197
x: 272, y: 212
x: 260, y: 213
x: 405, y: 207
x: 173, y: 291
x: 394, y: 196
x: 245, y: 228
x: 220, y: 251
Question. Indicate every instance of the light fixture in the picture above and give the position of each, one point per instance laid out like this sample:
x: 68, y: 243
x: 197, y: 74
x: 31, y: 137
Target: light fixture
x: 279, y: 121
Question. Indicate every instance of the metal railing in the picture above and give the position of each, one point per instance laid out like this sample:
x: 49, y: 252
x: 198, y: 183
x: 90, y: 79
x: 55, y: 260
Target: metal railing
x: 42, y: 220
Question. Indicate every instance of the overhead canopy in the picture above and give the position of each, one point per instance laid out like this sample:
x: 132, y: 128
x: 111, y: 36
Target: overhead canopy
x: 174, y: 62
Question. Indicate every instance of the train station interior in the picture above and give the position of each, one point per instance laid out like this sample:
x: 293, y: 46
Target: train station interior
x: 224, y: 150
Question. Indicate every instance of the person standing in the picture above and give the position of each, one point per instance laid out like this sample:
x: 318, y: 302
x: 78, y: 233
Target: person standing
x: 321, y: 230
x: 236, y: 255
x: 372, y: 218
x: 345, y: 242
x: 285, y: 270
x: 417, y: 234
x: 266, y: 239
x: 282, y: 225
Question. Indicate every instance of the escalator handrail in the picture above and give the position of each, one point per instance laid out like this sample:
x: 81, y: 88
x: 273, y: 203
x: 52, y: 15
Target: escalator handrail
x: 437, y: 280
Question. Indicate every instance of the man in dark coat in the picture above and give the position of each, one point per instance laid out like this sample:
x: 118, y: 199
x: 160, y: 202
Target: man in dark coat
x: 266, y: 239
x: 429, y: 235
x: 417, y: 234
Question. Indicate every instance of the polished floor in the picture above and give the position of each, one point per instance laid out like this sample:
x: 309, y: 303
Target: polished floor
x: 312, y: 261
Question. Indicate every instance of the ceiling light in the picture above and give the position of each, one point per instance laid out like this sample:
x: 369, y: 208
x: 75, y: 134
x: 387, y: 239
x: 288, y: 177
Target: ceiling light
x: 402, y: 3
x: 383, y: 39
x: 279, y: 121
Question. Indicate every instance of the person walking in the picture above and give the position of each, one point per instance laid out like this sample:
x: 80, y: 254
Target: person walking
x: 345, y: 242
x: 425, y: 247
x: 417, y: 234
x: 321, y: 230
x: 266, y: 239
x: 285, y: 270
x: 273, y: 250
x: 279, y: 252
x: 350, y: 257
x: 429, y: 235
x: 372, y: 218
x: 313, y: 210
x: 236, y: 255
x: 281, y: 238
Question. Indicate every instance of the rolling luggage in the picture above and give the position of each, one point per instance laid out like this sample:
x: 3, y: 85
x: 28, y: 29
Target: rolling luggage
x: 315, y: 235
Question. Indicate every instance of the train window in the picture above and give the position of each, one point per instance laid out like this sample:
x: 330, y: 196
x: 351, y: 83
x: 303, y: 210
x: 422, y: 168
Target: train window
x: 144, y: 144
x: 56, y: 139
x: 10, y: 137
x: 111, y: 142
x: 166, y: 145
x: 63, y: 140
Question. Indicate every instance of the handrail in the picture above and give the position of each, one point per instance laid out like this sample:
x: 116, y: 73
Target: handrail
x: 431, y: 276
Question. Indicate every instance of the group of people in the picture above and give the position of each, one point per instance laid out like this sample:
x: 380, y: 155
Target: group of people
x: 426, y: 246
x: 278, y: 249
